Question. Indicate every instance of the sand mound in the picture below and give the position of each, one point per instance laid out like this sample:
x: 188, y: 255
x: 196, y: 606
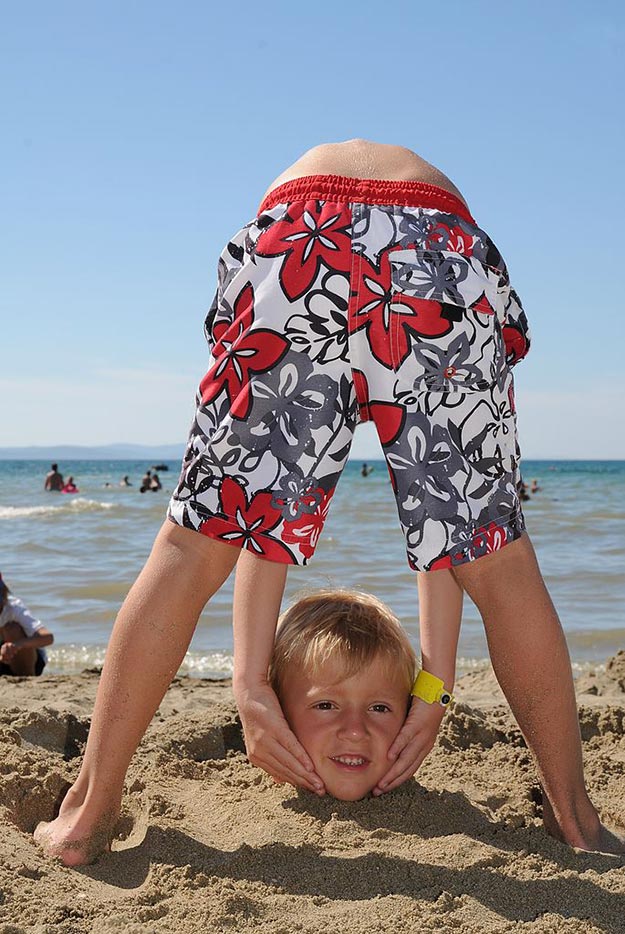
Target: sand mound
x: 607, y: 682
x: 206, y: 842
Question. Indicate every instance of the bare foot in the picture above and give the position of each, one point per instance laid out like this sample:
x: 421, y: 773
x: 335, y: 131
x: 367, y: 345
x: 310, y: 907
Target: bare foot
x: 594, y: 837
x: 607, y: 843
x: 75, y: 839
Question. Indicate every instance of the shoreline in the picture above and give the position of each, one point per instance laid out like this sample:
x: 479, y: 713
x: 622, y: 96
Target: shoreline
x: 217, y: 664
x: 207, y: 842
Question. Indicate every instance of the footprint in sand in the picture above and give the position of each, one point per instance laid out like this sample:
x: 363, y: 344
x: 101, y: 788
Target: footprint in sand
x: 132, y: 826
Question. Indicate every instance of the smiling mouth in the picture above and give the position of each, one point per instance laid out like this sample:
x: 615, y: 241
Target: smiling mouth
x: 350, y: 762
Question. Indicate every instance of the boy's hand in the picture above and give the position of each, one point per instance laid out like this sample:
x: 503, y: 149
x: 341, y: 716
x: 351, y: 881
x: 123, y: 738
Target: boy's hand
x: 8, y: 651
x: 270, y: 742
x: 412, y: 744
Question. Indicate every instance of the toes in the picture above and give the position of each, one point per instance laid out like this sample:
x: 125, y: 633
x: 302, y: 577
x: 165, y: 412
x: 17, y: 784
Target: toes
x: 40, y: 833
x: 69, y: 853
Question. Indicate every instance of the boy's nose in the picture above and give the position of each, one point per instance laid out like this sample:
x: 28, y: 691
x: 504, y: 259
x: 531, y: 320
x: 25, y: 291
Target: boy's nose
x: 352, y: 725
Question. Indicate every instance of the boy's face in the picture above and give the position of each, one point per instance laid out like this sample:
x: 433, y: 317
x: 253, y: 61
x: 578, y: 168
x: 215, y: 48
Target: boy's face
x: 346, y: 725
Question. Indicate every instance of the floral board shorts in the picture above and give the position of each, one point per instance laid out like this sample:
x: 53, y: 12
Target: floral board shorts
x: 348, y: 300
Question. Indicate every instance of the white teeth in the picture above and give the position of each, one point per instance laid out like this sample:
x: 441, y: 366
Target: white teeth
x: 349, y: 760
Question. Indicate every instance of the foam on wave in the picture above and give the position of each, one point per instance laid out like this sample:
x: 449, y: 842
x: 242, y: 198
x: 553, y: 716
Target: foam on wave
x: 72, y: 659
x: 68, y: 507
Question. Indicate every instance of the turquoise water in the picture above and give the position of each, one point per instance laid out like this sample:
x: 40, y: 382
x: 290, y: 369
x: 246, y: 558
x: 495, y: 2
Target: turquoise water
x: 72, y: 559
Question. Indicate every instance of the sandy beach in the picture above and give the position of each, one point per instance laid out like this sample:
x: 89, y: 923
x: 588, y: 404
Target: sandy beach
x: 207, y: 842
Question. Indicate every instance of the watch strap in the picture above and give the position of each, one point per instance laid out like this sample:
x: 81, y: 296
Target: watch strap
x: 431, y: 689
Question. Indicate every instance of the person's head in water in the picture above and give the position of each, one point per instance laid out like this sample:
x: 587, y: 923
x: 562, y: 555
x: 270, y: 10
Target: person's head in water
x: 343, y: 668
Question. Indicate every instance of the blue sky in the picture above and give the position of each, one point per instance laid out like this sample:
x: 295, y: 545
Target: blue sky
x: 139, y: 136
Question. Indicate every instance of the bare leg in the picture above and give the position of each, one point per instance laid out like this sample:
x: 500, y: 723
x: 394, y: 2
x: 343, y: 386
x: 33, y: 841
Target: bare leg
x: 25, y: 660
x: 150, y: 637
x: 531, y: 662
x: 24, y: 663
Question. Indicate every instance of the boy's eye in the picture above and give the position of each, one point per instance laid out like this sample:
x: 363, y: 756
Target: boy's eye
x: 324, y: 705
x: 380, y: 708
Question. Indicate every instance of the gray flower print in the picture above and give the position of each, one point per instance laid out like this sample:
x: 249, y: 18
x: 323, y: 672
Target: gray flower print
x: 432, y: 275
x: 422, y: 230
x: 423, y: 463
x: 299, y: 495
x: 288, y: 404
x: 448, y: 369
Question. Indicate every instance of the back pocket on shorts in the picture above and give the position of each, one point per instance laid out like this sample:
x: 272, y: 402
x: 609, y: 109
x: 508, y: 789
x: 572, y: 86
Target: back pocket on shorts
x: 445, y: 321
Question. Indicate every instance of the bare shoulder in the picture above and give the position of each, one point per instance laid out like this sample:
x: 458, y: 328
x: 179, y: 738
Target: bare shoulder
x: 361, y: 158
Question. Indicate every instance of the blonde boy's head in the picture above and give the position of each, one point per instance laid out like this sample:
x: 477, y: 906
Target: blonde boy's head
x: 343, y: 668
x: 343, y: 628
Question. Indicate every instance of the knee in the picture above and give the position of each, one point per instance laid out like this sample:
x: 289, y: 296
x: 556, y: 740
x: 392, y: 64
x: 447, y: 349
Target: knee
x: 12, y: 632
x: 503, y: 577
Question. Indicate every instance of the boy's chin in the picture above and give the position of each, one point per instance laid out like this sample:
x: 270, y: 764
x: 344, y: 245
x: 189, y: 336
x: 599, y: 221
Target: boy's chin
x: 347, y: 791
x: 350, y: 796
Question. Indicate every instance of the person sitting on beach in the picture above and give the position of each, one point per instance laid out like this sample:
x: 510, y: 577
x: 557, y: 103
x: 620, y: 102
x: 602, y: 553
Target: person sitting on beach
x: 54, y: 480
x: 343, y: 669
x: 70, y: 486
x: 22, y: 637
x: 422, y: 335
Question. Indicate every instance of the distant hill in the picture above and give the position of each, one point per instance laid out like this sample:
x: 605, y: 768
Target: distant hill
x: 77, y: 452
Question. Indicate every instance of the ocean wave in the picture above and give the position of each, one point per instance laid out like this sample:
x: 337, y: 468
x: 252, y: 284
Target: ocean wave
x: 603, y: 641
x: 68, y: 507
x: 207, y: 663
x: 465, y: 665
x: 73, y: 659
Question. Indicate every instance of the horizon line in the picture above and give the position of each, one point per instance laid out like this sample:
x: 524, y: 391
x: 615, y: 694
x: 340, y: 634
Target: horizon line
x: 152, y: 451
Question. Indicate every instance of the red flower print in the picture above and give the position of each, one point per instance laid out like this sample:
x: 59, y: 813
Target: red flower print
x: 483, y: 305
x: 389, y: 420
x: 438, y: 565
x: 239, y: 351
x: 454, y: 239
x: 484, y: 541
x: 489, y: 539
x: 378, y: 305
x: 515, y: 342
x: 362, y: 394
x: 319, y: 234
x: 306, y: 530
x: 247, y: 524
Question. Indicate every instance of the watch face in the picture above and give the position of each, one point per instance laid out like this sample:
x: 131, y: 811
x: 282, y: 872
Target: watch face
x: 445, y: 699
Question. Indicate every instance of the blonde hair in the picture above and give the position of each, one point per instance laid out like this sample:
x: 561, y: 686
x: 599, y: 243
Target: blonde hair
x: 340, y: 626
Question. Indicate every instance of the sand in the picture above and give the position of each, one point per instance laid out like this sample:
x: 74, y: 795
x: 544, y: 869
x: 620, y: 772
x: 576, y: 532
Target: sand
x: 208, y: 843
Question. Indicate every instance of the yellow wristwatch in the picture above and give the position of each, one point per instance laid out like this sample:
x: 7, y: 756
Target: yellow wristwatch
x: 431, y: 689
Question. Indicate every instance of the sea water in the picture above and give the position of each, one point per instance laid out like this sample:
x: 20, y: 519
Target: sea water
x: 72, y: 558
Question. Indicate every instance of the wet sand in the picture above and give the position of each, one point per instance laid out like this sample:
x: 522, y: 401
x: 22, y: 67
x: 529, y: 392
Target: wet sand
x: 207, y: 842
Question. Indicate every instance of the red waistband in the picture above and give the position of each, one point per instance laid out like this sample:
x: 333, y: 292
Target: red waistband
x: 367, y: 191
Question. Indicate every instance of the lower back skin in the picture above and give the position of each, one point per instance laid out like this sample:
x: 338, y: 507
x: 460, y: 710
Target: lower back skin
x: 361, y: 158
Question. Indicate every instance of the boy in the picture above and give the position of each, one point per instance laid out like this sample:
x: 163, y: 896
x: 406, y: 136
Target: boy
x: 343, y: 670
x: 420, y: 331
